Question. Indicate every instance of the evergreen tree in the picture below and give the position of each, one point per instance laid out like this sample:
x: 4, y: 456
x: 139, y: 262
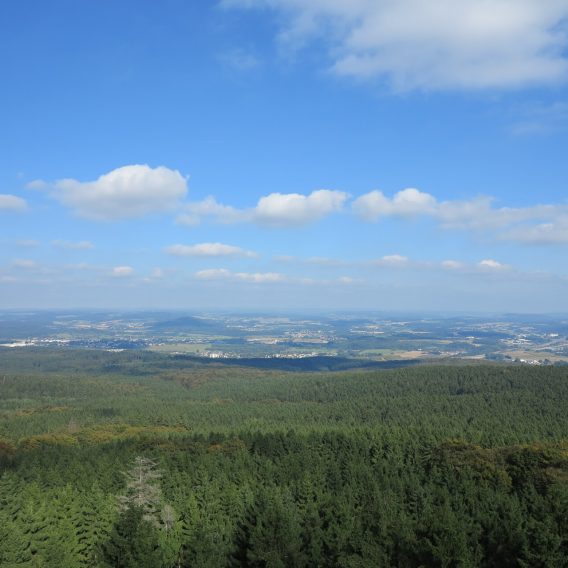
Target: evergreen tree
x: 133, y: 542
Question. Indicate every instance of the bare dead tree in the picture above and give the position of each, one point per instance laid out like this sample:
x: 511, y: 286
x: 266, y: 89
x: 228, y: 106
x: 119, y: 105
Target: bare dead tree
x: 142, y: 488
x: 168, y: 516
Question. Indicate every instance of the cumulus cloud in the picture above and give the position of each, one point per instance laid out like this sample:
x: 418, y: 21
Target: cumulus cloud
x: 122, y: 271
x: 78, y: 245
x: 126, y: 192
x: 274, y: 210
x: 12, y: 203
x: 522, y: 224
x: 412, y: 202
x: 490, y: 264
x: 392, y: 260
x: 289, y: 209
x: 224, y: 274
x: 406, y: 203
x: 440, y: 44
x: 209, y: 249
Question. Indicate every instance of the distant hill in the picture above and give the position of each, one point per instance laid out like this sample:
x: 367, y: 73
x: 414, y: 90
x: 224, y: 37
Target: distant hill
x: 189, y: 323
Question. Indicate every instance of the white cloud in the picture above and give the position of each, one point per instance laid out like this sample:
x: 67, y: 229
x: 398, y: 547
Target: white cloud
x: 395, y: 259
x: 209, y: 249
x: 392, y: 260
x: 78, y: 245
x: 274, y: 210
x: 37, y: 184
x: 342, y: 281
x: 439, y: 44
x: 122, y: 271
x: 224, y: 274
x: 479, y: 214
x: 290, y: 209
x: 28, y: 243
x: 259, y: 276
x: 406, y: 203
x: 540, y: 234
x: 126, y: 192
x: 12, y: 203
x: 267, y: 278
x: 491, y: 264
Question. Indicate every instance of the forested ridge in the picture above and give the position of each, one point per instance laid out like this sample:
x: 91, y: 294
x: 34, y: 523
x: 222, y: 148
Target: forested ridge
x: 135, y: 460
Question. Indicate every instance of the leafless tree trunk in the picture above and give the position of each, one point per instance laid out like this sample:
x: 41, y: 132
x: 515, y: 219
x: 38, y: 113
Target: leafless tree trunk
x: 142, y: 489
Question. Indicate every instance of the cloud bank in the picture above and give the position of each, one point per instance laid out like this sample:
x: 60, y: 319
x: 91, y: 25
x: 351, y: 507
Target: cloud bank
x: 139, y: 190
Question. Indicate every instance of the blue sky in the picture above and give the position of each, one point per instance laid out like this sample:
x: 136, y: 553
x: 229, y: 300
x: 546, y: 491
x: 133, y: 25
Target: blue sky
x: 279, y: 154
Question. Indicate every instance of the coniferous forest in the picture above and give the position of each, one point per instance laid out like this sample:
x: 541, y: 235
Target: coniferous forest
x: 141, y: 460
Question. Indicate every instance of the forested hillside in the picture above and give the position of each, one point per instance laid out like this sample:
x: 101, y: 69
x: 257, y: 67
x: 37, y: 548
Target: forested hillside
x: 143, y: 460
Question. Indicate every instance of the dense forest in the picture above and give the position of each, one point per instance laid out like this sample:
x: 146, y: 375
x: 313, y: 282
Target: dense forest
x: 144, y: 460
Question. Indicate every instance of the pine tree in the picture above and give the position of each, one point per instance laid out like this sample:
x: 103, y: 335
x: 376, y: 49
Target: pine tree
x: 133, y: 542
x: 275, y: 537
